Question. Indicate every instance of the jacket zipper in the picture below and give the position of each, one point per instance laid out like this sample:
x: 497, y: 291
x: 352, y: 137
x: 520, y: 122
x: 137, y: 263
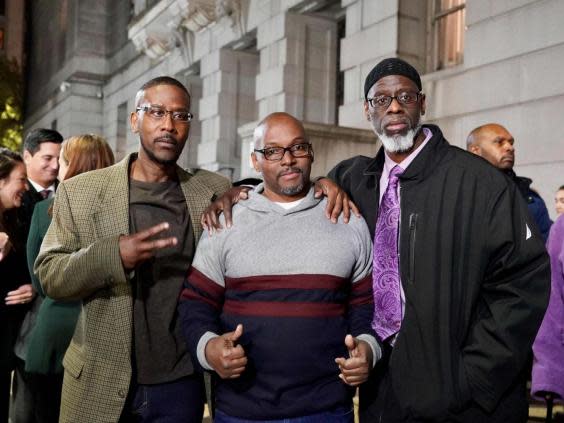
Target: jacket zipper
x: 412, y: 234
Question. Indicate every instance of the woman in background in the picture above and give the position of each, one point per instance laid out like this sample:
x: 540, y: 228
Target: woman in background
x: 15, y: 290
x: 55, y: 322
x: 559, y: 201
x: 548, y: 348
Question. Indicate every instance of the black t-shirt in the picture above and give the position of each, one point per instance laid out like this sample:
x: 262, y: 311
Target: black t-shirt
x: 160, y: 354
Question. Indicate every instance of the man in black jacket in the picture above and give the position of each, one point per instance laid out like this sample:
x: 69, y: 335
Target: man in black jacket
x: 496, y: 144
x: 472, y: 268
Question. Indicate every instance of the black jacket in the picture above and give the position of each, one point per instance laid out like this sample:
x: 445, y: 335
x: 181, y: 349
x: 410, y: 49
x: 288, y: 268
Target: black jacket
x: 476, y: 279
x: 535, y: 204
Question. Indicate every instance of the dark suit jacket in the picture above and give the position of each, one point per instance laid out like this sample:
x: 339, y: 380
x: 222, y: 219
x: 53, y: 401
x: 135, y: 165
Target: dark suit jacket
x: 25, y: 212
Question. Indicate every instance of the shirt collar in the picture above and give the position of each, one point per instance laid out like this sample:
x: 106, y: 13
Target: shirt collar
x: 40, y: 188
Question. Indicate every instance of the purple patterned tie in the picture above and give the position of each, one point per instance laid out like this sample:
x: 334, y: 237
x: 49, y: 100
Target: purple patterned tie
x: 385, y: 273
x: 45, y: 193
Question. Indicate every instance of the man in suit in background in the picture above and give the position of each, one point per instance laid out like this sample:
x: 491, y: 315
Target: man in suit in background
x: 121, y: 241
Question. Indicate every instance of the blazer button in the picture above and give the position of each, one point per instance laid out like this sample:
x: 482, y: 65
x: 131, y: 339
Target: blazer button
x: 121, y: 393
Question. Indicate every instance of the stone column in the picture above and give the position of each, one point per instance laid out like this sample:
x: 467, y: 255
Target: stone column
x: 189, y: 156
x: 297, y: 67
x: 228, y: 101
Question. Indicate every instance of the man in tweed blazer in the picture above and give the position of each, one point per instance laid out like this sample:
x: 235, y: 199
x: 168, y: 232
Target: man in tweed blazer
x: 121, y: 241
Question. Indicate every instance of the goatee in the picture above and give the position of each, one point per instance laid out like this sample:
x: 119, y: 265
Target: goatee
x: 399, y: 143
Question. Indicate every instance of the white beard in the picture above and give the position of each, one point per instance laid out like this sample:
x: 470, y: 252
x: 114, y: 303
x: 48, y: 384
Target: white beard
x: 398, y: 143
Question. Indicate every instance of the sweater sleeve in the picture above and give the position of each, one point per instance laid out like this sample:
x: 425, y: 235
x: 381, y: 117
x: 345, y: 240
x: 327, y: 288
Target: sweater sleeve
x: 548, y: 349
x: 201, y: 299
x: 361, y: 301
x: 513, y: 298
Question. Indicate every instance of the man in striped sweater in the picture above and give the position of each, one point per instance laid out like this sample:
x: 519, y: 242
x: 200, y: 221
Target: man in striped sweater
x: 280, y: 305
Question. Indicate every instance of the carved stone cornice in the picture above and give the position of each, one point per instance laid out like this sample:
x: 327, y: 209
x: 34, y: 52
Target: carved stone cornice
x: 158, y: 31
x: 171, y: 24
x: 202, y: 13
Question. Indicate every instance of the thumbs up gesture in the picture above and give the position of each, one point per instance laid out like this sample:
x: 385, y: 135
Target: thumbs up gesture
x: 355, y: 369
x: 225, y: 356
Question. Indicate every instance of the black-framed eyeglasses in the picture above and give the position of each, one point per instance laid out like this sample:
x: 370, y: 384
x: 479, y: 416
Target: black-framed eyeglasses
x: 159, y: 113
x: 404, y: 98
x: 276, y: 154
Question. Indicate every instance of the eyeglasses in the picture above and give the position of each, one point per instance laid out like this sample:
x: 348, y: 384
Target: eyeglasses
x: 276, y: 154
x: 404, y: 98
x: 159, y: 113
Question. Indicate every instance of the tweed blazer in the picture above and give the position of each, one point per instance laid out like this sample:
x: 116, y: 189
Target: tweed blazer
x: 79, y: 260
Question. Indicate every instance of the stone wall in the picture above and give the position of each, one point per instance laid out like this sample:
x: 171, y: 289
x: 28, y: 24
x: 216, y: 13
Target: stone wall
x: 260, y: 56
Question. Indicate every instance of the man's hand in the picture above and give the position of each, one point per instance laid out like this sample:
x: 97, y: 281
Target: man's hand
x: 209, y: 219
x: 337, y: 200
x: 227, y: 358
x: 136, y: 248
x: 23, y: 295
x: 5, y: 245
x: 355, y: 369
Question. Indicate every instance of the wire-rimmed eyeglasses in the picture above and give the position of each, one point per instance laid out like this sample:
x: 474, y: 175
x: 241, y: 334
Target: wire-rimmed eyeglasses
x: 404, y: 98
x: 159, y: 113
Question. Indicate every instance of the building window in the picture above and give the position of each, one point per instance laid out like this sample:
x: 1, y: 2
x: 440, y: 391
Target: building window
x: 447, y: 29
x: 2, y: 7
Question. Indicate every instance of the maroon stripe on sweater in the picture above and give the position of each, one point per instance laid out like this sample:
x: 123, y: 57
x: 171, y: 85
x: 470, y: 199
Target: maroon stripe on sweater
x: 283, y: 309
x: 190, y: 294
x: 298, y: 281
x: 200, y: 281
x: 362, y: 292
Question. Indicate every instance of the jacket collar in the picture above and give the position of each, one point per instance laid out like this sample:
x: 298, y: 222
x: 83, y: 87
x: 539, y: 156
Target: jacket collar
x: 424, y: 163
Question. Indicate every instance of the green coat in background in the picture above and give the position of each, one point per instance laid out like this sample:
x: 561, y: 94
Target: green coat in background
x: 56, y: 320
x: 79, y: 260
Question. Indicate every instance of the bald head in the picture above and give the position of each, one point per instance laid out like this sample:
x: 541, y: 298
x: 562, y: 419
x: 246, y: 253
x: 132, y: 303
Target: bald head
x: 283, y: 156
x: 494, y: 143
x: 278, y: 119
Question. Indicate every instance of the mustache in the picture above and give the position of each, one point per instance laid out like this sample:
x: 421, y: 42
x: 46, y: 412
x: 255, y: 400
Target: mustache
x: 395, y: 120
x: 167, y: 138
x: 290, y: 170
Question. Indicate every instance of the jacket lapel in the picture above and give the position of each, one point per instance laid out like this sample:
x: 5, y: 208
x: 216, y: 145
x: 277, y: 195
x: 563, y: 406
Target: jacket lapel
x: 198, y: 197
x: 114, y: 198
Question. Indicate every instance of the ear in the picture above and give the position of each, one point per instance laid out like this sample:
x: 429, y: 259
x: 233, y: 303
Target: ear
x: 366, y: 110
x: 255, y: 162
x: 134, y: 122
x: 423, y: 104
x: 475, y: 149
x: 27, y: 157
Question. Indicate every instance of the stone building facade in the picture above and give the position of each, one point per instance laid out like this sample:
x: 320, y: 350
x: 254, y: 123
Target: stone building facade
x: 481, y: 61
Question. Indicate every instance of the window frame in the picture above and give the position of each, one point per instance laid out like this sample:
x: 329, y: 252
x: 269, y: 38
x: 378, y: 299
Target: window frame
x: 435, y: 16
